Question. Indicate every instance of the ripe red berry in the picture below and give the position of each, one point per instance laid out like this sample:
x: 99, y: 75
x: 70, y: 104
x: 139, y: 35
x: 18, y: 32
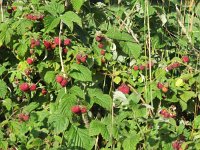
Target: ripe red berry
x: 25, y: 117
x: 163, y: 111
x: 65, y: 50
x: 103, y: 52
x: 59, y: 78
x: 83, y: 110
x: 47, y: 44
x: 64, y: 82
x: 14, y: 8
x: 37, y: 42
x: 135, y: 68
x: 27, y: 71
x: 176, y: 65
x: 83, y: 59
x: 99, y: 38
x: 33, y: 87
x: 24, y: 87
x: 57, y: 40
x: 141, y: 67
x: 100, y: 45
x: 185, y: 59
x: 67, y: 42
x: 176, y: 145
x: 76, y: 109
x: 53, y: 45
x: 44, y: 91
x: 160, y: 85
x: 30, y: 61
x: 124, y: 88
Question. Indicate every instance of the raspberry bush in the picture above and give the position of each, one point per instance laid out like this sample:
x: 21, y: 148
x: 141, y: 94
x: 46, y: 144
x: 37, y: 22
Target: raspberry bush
x: 75, y: 74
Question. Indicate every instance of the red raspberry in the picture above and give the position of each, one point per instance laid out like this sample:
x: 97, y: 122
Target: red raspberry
x: 44, y: 91
x: 65, y: 50
x: 47, y: 44
x: 83, y: 110
x: 25, y: 117
x: 76, y: 109
x: 100, y: 45
x: 103, y: 52
x: 57, y: 40
x: 24, y: 87
x: 124, y: 88
x: 160, y: 85
x: 53, y: 45
x: 135, y: 68
x: 185, y: 59
x: 99, y: 38
x: 59, y: 79
x: 64, y: 82
x: 141, y: 67
x: 30, y: 61
x: 83, y: 59
x: 176, y: 65
x: 67, y: 42
x: 33, y: 87
x: 78, y: 57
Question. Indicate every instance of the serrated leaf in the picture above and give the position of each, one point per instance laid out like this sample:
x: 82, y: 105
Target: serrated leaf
x: 50, y: 23
x: 131, y: 49
x: 59, y: 122
x: 187, y: 95
x: 79, y: 138
x: 80, y: 72
x: 179, y: 82
x: 55, y: 8
x: 69, y: 17
x: 30, y: 107
x: 21, y: 50
x: 7, y: 103
x: 98, y: 97
x: 49, y: 77
x: 77, y: 4
x: 130, y: 142
x: 97, y: 127
x: 114, y: 33
x: 3, y: 89
x: 77, y: 91
x: 2, y: 70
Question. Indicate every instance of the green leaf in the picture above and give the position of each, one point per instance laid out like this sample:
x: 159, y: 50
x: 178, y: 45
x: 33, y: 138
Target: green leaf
x: 77, y: 91
x: 3, y: 145
x: 131, y: 142
x: 69, y: 17
x: 80, y: 72
x: 30, y: 107
x: 2, y: 70
x: 187, y: 95
x: 115, y: 34
x: 77, y: 4
x: 55, y: 8
x: 131, y: 49
x: 34, y: 142
x: 50, y: 22
x: 197, y: 122
x: 49, y: 77
x: 7, y: 103
x: 79, y: 138
x: 59, y: 122
x: 21, y: 50
x: 97, y: 127
x: 98, y: 97
x: 3, y: 89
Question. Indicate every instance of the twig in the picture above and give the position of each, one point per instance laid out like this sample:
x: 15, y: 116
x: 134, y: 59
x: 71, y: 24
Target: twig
x: 1, y: 10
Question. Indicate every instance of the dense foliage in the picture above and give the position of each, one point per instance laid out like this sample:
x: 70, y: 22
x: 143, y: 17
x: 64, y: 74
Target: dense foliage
x: 108, y: 75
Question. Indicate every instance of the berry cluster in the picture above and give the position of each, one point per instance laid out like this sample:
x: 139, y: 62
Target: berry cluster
x: 34, y: 17
x: 124, y: 88
x: 162, y: 87
x: 23, y: 117
x: 78, y: 109
x: 81, y: 58
x: 101, y: 40
x: 167, y: 114
x: 177, y: 144
x: 30, y: 60
x: 35, y: 43
x: 50, y: 45
x: 60, y: 79
x: 142, y: 67
x: 173, y: 66
x: 25, y: 87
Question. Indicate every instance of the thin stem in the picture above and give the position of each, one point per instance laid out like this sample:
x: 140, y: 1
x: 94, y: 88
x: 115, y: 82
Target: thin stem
x: 1, y: 11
